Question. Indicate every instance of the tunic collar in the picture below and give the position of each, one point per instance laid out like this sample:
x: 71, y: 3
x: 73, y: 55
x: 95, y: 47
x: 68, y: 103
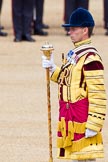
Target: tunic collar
x: 87, y: 41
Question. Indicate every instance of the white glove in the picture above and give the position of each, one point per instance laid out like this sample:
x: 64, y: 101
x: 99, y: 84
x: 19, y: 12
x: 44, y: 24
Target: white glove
x: 90, y: 133
x: 48, y: 63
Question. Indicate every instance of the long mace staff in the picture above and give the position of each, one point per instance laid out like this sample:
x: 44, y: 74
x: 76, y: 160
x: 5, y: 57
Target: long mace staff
x: 47, y: 50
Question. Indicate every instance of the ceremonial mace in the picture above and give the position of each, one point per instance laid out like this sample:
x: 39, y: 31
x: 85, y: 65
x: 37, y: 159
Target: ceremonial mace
x: 47, y: 50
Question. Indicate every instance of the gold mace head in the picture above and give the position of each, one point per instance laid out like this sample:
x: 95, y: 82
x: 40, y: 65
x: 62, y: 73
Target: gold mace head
x: 47, y: 49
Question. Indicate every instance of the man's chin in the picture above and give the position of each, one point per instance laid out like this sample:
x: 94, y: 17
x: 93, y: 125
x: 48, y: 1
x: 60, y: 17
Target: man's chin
x: 73, y: 41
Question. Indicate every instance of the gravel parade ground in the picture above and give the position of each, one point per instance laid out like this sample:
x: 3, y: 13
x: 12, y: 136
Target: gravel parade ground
x: 23, y: 97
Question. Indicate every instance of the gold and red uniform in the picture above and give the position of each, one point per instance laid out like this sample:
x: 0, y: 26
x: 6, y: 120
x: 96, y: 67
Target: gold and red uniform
x: 82, y: 103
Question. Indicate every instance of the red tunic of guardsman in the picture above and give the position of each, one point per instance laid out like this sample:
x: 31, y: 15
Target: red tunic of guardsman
x: 82, y: 101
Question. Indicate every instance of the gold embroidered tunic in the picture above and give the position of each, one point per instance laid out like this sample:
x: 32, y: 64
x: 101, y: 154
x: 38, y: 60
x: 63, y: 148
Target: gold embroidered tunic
x: 81, y: 80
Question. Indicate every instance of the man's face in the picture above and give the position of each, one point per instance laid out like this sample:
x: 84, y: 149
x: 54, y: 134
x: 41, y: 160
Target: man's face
x: 78, y: 34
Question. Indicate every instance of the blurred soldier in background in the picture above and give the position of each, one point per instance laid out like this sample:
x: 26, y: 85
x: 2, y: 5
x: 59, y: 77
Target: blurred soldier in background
x: 106, y: 16
x: 1, y: 27
x: 38, y: 24
x: 22, y: 18
x: 70, y: 6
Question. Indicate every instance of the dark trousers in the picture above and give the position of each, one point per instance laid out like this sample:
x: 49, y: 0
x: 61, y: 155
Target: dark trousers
x: 38, y: 7
x: 22, y: 16
x: 0, y: 6
x: 71, y: 5
x: 106, y: 14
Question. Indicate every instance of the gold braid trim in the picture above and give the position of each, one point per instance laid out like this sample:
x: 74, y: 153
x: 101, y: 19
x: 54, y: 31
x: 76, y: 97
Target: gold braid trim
x: 63, y: 127
x: 84, y: 142
x: 79, y: 127
x: 76, y: 146
x: 73, y: 127
x: 95, y: 121
x: 95, y: 152
x: 67, y: 139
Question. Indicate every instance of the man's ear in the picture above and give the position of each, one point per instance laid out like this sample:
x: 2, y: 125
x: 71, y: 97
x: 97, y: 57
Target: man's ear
x: 85, y: 30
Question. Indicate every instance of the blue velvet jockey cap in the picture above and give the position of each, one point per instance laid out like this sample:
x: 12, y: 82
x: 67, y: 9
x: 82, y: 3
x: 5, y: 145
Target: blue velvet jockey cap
x: 80, y: 18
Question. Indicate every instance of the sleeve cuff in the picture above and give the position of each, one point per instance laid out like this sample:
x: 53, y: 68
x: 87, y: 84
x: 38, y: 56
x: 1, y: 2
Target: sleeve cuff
x: 95, y: 121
